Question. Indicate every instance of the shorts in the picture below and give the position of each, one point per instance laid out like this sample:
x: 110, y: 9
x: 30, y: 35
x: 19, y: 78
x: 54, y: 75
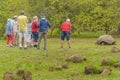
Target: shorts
x: 23, y: 34
x: 65, y: 34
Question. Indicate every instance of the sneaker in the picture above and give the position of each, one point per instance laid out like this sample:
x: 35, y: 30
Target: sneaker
x: 11, y: 45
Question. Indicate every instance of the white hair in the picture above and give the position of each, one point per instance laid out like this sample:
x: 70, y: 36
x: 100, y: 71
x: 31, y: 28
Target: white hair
x: 68, y: 20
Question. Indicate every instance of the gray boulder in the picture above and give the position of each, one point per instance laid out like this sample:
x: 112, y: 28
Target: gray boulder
x: 115, y: 49
x: 106, y: 40
x: 105, y: 71
x: 117, y: 64
x: 76, y: 58
x: 9, y: 76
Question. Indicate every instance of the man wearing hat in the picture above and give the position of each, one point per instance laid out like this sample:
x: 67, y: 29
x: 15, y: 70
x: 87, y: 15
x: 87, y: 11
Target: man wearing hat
x: 22, y: 21
x: 43, y: 27
x: 65, y: 32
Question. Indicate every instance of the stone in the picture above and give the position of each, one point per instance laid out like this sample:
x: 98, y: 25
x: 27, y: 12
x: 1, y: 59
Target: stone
x: 58, y: 67
x: 9, y: 75
x: 115, y: 49
x: 105, y: 71
x: 89, y: 70
x: 27, y: 75
x: 105, y: 62
x: 65, y: 65
x: 117, y: 64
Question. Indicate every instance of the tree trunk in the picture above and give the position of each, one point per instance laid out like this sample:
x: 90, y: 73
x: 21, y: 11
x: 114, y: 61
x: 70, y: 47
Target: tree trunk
x: 51, y: 34
x: 118, y: 30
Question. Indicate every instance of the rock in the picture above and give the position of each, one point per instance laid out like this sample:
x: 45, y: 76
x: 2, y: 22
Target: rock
x: 106, y: 40
x: 24, y: 75
x: 9, y: 76
x: 58, y: 67
x: 106, y: 71
x: 21, y: 72
x: 75, y: 58
x: 84, y: 58
x: 115, y: 49
x: 89, y: 69
x: 27, y: 75
x: 117, y: 64
x: 65, y: 65
x: 105, y: 62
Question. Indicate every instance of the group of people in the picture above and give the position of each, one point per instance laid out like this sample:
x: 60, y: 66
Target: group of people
x: 24, y: 32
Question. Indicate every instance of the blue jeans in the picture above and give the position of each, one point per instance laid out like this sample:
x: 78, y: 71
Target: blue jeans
x: 35, y: 36
x: 65, y: 34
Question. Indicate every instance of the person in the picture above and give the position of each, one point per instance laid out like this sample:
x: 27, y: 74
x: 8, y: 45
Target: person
x: 43, y: 27
x: 29, y: 32
x: 65, y: 32
x: 15, y: 30
x: 22, y: 21
x: 35, y: 30
x: 9, y: 33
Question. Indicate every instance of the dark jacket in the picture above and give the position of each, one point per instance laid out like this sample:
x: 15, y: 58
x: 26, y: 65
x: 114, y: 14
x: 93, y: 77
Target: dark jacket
x: 43, y: 25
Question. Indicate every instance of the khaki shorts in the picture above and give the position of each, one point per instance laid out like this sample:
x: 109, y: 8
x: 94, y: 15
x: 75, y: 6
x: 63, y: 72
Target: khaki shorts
x: 23, y: 34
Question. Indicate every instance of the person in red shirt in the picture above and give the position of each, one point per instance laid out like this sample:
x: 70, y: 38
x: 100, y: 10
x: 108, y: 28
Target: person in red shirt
x: 35, y: 30
x: 65, y: 32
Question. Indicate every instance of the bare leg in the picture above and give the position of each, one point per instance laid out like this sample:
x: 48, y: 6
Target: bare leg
x: 69, y: 43
x: 20, y: 39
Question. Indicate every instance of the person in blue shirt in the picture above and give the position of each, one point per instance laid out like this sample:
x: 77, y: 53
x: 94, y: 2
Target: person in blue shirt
x: 9, y: 33
x: 43, y: 27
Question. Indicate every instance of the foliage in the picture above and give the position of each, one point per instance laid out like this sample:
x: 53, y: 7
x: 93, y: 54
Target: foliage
x: 85, y: 15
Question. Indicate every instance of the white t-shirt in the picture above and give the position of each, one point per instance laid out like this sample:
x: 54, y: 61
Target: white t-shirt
x: 15, y: 26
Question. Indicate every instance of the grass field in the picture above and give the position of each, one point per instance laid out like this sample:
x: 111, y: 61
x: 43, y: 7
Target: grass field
x: 36, y: 61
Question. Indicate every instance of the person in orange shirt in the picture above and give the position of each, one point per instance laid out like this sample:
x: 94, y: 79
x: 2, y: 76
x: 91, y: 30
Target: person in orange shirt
x: 65, y: 32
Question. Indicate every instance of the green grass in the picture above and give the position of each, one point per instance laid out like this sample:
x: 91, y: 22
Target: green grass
x: 36, y: 61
